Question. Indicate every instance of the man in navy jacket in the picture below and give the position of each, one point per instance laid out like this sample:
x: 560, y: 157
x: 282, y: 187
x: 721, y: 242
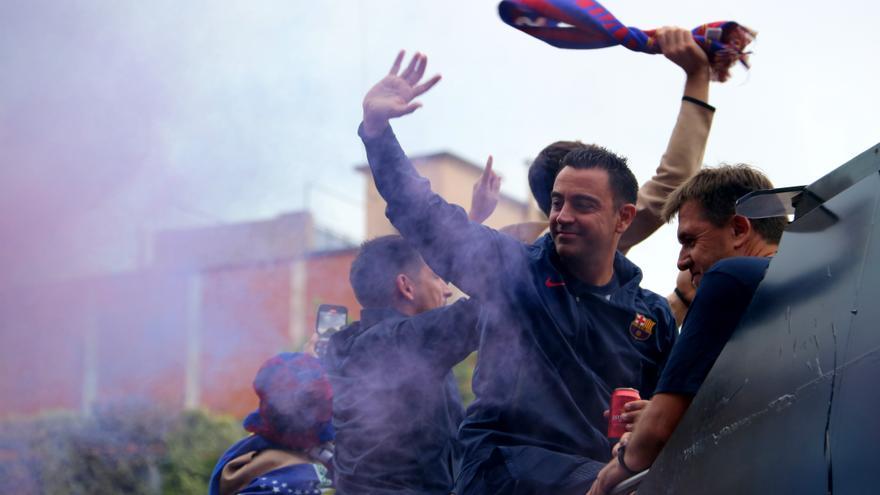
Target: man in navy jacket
x: 396, y: 407
x: 565, y: 321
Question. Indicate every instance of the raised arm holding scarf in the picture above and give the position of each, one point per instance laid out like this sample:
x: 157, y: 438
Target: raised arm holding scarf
x: 584, y: 24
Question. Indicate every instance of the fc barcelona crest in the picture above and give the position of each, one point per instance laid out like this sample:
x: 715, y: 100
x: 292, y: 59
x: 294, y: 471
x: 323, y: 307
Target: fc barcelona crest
x: 642, y: 327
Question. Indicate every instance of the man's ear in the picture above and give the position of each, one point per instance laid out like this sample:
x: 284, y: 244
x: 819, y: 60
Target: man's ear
x: 625, y: 216
x: 742, y: 227
x: 404, y: 287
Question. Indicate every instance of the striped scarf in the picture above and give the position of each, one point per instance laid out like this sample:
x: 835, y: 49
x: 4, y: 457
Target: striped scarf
x: 587, y: 24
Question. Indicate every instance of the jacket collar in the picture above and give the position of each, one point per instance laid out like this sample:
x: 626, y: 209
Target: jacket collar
x: 629, y: 276
x: 372, y: 316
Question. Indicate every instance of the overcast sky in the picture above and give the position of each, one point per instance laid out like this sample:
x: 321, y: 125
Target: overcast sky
x: 120, y: 118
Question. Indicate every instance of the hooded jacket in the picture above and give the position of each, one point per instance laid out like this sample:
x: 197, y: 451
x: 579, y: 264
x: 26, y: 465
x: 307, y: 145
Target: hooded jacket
x: 256, y: 466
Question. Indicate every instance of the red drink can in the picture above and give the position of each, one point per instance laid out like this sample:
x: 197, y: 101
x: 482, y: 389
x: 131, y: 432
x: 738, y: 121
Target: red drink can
x: 620, y: 396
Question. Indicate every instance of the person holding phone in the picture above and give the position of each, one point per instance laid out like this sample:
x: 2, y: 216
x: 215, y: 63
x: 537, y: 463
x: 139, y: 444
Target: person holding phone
x: 396, y: 408
x: 330, y: 319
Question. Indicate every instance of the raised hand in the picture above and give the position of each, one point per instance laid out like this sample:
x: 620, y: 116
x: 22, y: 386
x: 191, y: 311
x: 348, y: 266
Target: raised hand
x: 393, y: 96
x: 678, y: 45
x: 311, y: 346
x: 486, y: 193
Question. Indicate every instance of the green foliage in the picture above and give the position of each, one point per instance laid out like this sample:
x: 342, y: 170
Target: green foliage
x: 194, y: 444
x: 464, y: 373
x: 136, y: 449
x: 31, y: 449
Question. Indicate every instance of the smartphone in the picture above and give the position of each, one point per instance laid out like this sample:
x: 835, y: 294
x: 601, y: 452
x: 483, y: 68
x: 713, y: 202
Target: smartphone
x: 331, y: 318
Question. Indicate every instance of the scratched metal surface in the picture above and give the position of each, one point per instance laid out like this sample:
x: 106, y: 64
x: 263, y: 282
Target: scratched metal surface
x: 790, y: 405
x: 854, y: 428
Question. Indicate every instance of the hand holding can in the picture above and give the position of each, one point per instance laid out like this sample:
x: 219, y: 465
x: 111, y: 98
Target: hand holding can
x: 620, y: 397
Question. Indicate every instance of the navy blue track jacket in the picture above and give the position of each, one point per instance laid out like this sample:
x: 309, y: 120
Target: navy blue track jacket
x: 396, y: 407
x: 551, y: 351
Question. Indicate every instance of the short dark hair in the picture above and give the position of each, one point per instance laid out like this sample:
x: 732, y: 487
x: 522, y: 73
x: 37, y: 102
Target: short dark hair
x: 716, y: 189
x: 545, y: 168
x: 624, y: 186
x: 377, y: 265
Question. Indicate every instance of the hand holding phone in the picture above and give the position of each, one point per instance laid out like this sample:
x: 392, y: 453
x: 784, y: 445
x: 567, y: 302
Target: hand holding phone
x: 331, y: 318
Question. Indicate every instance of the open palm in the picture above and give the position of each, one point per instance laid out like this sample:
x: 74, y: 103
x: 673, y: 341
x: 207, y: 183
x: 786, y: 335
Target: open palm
x: 393, y: 96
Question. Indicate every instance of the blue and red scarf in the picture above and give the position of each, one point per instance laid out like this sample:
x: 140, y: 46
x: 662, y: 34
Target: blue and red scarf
x: 587, y: 24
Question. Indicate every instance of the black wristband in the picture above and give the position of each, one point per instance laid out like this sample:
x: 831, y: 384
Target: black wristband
x: 698, y: 102
x: 621, y: 451
x: 680, y: 295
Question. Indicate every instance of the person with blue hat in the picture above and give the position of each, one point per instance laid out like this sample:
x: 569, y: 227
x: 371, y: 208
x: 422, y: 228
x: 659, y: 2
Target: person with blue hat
x: 290, y: 449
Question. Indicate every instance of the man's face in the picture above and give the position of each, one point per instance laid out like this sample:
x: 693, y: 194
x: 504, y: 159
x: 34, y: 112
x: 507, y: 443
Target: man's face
x: 583, y: 217
x: 702, y: 242
x: 429, y: 290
